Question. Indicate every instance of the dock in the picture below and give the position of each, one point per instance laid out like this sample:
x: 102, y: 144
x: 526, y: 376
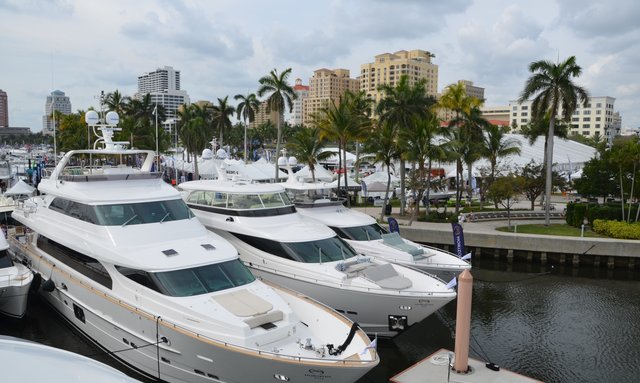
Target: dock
x: 437, y: 367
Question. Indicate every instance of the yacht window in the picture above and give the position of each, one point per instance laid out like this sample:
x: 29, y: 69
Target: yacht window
x: 5, y: 259
x: 275, y: 200
x: 361, y: 233
x: 324, y: 250
x: 140, y: 213
x: 139, y: 276
x: 87, y: 266
x: 204, y: 279
x: 266, y: 245
x: 244, y: 201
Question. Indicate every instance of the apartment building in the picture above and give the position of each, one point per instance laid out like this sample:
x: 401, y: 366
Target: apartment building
x: 57, y: 101
x: 4, y: 110
x: 326, y: 86
x: 163, y: 85
x: 262, y: 116
x: 302, y: 93
x: 389, y: 67
x: 597, y: 116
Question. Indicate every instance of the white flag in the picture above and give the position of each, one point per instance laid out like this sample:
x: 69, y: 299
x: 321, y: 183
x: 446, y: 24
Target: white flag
x: 467, y: 257
x: 155, y: 110
x: 452, y: 283
x: 373, y: 345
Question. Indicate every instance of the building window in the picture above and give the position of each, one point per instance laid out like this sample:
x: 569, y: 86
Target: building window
x: 586, y: 119
x: 585, y: 132
x: 598, y: 111
x: 515, y: 114
x: 587, y: 112
x: 525, y: 107
x: 599, y: 105
x: 585, y: 126
x: 597, y: 118
x: 515, y: 107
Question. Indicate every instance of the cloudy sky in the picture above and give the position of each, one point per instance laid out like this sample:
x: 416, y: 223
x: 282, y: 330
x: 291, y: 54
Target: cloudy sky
x: 223, y: 47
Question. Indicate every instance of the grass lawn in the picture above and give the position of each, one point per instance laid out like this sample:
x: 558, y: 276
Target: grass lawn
x: 552, y: 229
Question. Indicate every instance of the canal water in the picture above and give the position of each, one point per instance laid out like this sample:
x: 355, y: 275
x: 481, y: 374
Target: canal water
x: 550, y: 323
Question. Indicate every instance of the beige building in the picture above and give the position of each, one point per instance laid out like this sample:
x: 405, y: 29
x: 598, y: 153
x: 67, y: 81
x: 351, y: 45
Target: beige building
x: 302, y: 93
x: 326, y: 86
x: 496, y: 113
x: 262, y: 116
x: 389, y: 67
x: 597, y: 117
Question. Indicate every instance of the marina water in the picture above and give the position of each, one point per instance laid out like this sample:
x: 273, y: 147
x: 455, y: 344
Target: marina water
x: 554, y: 324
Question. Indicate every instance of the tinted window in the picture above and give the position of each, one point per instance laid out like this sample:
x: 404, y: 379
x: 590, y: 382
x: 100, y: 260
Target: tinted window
x: 204, y: 279
x: 361, y: 233
x: 5, y: 260
x: 324, y: 250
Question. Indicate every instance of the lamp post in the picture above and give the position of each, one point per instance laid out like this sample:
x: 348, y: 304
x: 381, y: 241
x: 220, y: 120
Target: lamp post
x: 155, y: 113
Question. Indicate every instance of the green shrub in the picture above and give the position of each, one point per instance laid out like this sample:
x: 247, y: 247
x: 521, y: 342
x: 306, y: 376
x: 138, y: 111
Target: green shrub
x: 617, y: 229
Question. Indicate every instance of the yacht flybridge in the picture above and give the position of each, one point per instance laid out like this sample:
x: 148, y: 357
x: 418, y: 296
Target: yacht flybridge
x: 280, y: 245
x: 365, y: 234
x: 124, y: 260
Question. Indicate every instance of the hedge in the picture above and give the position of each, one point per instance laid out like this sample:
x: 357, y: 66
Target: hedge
x: 617, y: 229
x: 576, y: 212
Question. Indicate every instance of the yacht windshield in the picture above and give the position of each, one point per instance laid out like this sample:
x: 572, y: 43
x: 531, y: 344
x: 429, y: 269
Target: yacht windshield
x: 240, y: 201
x: 361, y: 233
x: 140, y: 213
x: 193, y: 281
x: 318, y: 251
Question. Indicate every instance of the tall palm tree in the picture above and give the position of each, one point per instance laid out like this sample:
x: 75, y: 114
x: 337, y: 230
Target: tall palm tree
x: 221, y: 117
x: 382, y: 142
x: 343, y: 123
x: 496, y: 145
x: 281, y: 95
x: 307, y: 146
x: 246, y: 110
x: 117, y: 102
x: 422, y: 147
x: 554, y: 92
x: 400, y: 106
x: 193, y: 134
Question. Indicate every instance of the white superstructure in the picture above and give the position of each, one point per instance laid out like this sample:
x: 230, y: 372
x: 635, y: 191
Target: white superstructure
x: 282, y: 246
x: 125, y: 261
x: 15, y: 279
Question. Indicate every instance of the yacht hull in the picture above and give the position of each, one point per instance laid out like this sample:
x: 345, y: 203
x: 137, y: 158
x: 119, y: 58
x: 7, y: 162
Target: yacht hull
x: 135, y: 338
x: 374, y: 313
x: 14, y: 292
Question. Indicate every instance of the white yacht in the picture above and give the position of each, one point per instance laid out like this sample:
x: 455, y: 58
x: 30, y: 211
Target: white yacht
x: 124, y: 260
x: 282, y: 246
x: 18, y: 357
x: 366, y: 236
x: 15, y: 280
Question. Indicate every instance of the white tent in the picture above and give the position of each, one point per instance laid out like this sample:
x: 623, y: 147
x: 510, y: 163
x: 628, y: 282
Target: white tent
x: 380, y: 177
x: 320, y: 172
x: 378, y: 187
x: 20, y: 188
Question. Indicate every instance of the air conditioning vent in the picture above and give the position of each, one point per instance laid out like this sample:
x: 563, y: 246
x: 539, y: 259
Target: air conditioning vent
x: 170, y: 252
x: 208, y: 246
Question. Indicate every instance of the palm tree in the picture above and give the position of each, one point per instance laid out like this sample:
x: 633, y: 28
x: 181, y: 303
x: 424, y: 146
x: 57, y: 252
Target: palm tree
x: 421, y: 148
x: 222, y: 117
x: 307, y: 145
x: 117, y: 102
x: 193, y: 133
x: 281, y: 95
x: 343, y: 123
x: 555, y: 93
x: 496, y: 145
x: 246, y: 110
x: 382, y: 142
x: 401, y: 106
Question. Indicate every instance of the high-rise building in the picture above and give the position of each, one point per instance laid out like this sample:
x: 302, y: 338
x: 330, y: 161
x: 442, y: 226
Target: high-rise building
x: 326, y: 86
x: 163, y: 85
x: 57, y: 102
x: 262, y: 116
x: 4, y: 110
x: 302, y: 92
x: 389, y: 67
x: 596, y: 117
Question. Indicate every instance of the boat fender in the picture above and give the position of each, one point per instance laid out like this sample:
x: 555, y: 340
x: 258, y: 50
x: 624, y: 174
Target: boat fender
x: 49, y: 285
x: 35, y: 284
x: 492, y: 366
x: 342, y: 347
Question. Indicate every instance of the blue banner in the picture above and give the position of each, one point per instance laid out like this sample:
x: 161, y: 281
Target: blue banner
x: 458, y: 239
x: 393, y: 225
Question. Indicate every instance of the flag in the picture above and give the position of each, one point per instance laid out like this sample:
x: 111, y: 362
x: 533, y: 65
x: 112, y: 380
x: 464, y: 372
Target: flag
x: 393, y: 225
x: 373, y: 346
x: 458, y: 238
x: 467, y: 257
x: 452, y: 283
x: 363, y: 185
x: 155, y: 110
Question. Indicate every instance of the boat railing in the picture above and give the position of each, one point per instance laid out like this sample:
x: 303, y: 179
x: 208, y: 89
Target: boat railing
x: 25, y: 247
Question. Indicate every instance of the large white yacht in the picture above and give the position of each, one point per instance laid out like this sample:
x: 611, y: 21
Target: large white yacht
x: 280, y: 245
x: 124, y: 260
x: 364, y: 233
x: 15, y: 280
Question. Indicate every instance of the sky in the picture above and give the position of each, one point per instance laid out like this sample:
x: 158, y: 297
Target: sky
x: 222, y: 48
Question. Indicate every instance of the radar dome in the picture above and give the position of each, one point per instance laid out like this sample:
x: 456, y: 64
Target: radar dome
x: 221, y: 153
x: 207, y: 154
x: 282, y: 161
x: 293, y: 161
x: 91, y: 118
x: 112, y: 118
